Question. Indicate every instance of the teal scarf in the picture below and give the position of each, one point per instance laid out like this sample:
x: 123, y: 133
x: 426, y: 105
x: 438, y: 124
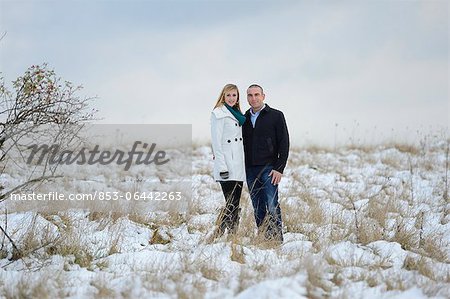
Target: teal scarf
x: 236, y: 113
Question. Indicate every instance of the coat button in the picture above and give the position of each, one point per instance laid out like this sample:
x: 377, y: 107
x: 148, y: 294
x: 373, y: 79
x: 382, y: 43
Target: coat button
x: 240, y: 138
x: 235, y: 139
x: 236, y: 124
x: 228, y: 140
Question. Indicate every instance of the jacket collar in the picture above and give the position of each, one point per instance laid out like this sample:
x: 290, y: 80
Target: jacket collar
x: 265, y: 109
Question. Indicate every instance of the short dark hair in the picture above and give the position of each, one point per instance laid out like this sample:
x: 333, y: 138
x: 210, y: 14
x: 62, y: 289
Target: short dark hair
x: 256, y: 85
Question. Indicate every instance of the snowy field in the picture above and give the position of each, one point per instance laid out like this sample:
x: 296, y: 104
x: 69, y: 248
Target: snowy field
x: 359, y: 222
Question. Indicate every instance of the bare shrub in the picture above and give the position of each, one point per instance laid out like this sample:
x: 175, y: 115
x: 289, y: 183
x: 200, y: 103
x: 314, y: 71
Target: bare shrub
x: 42, y: 107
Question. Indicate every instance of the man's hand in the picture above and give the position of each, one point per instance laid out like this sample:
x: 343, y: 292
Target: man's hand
x: 276, y: 177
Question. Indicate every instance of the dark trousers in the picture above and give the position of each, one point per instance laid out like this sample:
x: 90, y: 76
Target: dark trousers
x: 264, y: 197
x: 229, y: 217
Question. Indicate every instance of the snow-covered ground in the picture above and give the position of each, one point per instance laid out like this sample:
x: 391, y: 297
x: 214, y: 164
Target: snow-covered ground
x: 359, y: 223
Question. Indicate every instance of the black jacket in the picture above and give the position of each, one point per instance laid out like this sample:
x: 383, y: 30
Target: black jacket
x: 268, y: 142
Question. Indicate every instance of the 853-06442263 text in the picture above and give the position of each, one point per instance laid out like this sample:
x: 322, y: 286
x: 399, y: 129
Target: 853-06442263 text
x: 99, y: 195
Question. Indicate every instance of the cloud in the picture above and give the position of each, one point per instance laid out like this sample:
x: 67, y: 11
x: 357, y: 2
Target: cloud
x: 375, y: 64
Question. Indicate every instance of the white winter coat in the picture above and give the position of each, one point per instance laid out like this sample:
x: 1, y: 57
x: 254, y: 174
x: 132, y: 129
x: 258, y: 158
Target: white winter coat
x: 227, y: 145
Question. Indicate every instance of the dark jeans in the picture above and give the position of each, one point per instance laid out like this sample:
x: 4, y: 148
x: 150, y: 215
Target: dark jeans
x: 264, y: 197
x: 229, y: 217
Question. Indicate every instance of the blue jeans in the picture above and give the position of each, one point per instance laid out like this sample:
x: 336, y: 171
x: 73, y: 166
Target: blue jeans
x: 264, y: 197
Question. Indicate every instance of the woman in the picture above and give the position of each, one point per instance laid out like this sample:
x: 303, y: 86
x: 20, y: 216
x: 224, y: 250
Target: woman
x: 229, y: 170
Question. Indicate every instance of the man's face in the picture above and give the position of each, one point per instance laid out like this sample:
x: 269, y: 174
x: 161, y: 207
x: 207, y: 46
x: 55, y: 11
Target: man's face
x: 255, y: 98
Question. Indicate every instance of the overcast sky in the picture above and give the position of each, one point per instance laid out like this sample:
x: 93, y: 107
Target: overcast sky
x: 339, y: 70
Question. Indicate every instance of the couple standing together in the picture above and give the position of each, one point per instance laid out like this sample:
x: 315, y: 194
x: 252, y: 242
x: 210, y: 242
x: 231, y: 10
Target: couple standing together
x: 254, y: 147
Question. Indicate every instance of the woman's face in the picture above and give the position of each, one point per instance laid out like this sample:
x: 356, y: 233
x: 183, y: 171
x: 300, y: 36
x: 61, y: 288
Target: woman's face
x: 231, y: 97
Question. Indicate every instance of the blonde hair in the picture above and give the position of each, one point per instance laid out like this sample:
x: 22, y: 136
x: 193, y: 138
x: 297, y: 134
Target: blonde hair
x: 221, y: 99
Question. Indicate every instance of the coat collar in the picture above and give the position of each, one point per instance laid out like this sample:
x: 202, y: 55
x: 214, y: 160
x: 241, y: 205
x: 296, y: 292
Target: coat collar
x: 222, y: 111
x: 265, y: 109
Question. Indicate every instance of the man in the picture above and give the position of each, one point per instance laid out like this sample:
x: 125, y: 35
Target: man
x: 266, y: 147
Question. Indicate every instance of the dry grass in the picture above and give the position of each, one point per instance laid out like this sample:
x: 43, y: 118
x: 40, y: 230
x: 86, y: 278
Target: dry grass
x: 105, y: 218
x: 406, y: 148
x: 435, y: 247
x: 407, y: 237
x: 237, y: 253
x: 160, y: 236
x: 143, y: 219
x: 378, y: 209
x: 47, y: 285
x: 333, y: 215
x: 294, y: 215
x: 364, y: 148
x: 103, y: 287
x: 34, y: 239
x: 394, y: 161
x: 340, y: 229
x: 396, y: 284
x: 369, y: 231
x: 317, y: 285
x: 71, y: 244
